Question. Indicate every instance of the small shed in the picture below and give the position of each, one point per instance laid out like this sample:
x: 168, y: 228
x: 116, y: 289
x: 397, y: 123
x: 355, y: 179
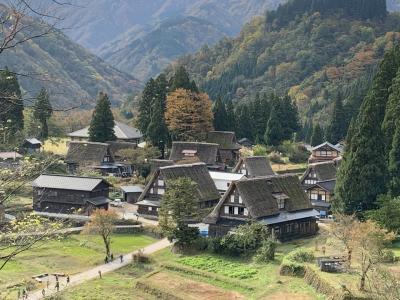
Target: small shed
x: 32, y: 145
x: 131, y: 193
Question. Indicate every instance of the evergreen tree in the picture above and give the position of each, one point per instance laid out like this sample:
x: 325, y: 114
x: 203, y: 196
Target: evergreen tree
x: 317, y: 137
x: 230, y: 116
x: 309, y: 126
x: 149, y: 94
x: 394, y: 164
x: 220, y: 115
x: 336, y: 129
x: 181, y: 80
x: 274, y: 132
x: 157, y: 131
x: 101, y: 127
x: 260, y: 111
x: 11, y: 104
x: 242, y: 119
x: 363, y: 172
x: 42, y: 111
x: 289, y: 116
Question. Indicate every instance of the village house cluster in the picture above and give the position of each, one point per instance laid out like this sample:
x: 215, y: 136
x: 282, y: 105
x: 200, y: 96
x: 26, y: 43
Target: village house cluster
x: 232, y: 188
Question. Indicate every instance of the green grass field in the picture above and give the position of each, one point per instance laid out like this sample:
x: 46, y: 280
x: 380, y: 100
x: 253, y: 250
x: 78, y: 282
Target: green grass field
x: 70, y: 255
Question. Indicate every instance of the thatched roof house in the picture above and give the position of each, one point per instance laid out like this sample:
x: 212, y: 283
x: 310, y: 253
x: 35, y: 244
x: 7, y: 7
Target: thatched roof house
x: 322, y: 171
x: 189, y: 152
x: 207, y: 192
x: 325, y: 152
x: 277, y: 201
x: 254, y: 166
x: 228, y: 149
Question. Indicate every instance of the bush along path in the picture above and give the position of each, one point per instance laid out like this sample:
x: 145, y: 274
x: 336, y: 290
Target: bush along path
x: 95, y: 272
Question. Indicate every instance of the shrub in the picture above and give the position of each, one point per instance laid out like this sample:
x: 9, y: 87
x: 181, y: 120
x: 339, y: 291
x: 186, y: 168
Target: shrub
x: 259, y: 150
x: 266, y: 252
x: 301, y: 255
x: 275, y: 157
x: 296, y: 152
x: 127, y: 222
x: 388, y: 256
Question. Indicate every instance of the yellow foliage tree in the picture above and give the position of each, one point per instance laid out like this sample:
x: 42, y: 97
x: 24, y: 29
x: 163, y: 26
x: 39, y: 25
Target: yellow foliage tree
x: 189, y: 115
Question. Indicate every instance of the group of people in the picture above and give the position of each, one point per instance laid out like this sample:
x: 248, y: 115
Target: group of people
x: 24, y: 293
x: 111, y: 258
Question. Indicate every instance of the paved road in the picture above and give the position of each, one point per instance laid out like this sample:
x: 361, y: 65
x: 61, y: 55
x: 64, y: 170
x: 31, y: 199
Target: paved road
x: 94, y: 273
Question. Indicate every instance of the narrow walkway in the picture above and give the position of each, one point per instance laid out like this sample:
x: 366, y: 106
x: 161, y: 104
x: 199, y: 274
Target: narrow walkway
x: 94, y: 273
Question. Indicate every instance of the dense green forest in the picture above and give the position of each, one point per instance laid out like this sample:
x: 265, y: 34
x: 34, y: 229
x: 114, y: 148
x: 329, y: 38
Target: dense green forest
x: 317, y: 51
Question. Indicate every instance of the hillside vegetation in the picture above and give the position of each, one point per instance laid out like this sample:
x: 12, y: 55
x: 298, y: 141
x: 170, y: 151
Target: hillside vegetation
x: 71, y: 74
x: 310, y: 52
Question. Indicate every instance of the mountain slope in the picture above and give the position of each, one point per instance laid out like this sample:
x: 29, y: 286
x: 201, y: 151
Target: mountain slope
x: 71, y: 74
x: 312, y: 55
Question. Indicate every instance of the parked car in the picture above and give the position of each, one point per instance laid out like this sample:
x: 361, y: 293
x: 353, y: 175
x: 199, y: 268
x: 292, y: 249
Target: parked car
x: 116, y: 203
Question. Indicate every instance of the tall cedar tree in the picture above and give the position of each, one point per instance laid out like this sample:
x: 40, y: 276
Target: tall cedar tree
x: 317, y: 136
x: 242, y: 119
x: 289, y: 117
x: 188, y: 115
x: 394, y: 164
x: 42, y: 112
x: 181, y: 80
x: 261, y: 110
x: 363, y: 173
x: 392, y: 114
x: 145, y: 105
x: 274, y: 132
x: 157, y: 131
x: 220, y: 115
x: 230, y: 116
x: 101, y: 127
x: 179, y: 205
x: 336, y: 130
x: 11, y: 103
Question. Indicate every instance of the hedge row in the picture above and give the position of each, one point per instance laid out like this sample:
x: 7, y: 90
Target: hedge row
x: 212, y: 276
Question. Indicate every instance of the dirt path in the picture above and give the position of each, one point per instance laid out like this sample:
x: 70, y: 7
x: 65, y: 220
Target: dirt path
x: 94, y: 273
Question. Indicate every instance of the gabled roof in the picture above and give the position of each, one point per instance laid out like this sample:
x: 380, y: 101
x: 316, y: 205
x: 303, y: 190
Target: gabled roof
x: 328, y: 185
x: 324, y: 170
x: 121, y: 130
x: 225, y: 139
x: 155, y: 164
x: 205, y: 152
x: 198, y: 173
x: 10, y: 155
x: 63, y: 182
x: 33, y: 141
x: 132, y: 189
x: 86, y: 152
x: 255, y: 165
x: 260, y: 196
x: 326, y: 144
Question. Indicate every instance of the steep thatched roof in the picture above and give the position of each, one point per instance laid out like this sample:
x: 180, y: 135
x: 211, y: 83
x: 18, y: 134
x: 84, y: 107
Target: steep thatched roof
x: 260, y: 196
x: 198, y: 173
x: 256, y: 166
x: 86, y: 153
x: 155, y: 164
x: 117, y: 146
x: 205, y: 152
x: 324, y: 170
x: 225, y: 139
x: 328, y: 185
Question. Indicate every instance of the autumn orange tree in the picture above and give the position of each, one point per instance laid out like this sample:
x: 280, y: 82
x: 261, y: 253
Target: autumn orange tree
x: 102, y: 222
x: 189, y: 115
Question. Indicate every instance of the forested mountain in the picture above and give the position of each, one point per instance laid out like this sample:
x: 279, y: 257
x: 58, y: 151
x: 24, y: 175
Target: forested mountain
x: 309, y: 49
x: 71, y: 74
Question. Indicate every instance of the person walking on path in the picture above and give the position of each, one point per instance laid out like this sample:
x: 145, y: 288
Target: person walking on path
x: 23, y: 294
x: 68, y: 279
x: 43, y: 293
x: 100, y: 274
x: 106, y: 260
x: 58, y: 286
x: 121, y: 257
x: 112, y: 257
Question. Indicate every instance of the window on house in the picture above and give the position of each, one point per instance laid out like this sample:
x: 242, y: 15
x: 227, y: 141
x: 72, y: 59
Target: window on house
x: 53, y: 194
x: 314, y: 196
x: 161, y: 183
x: 226, y: 209
x: 240, y: 200
x: 245, y: 212
x: 40, y: 192
x: 231, y: 210
x: 241, y: 211
x: 150, y: 208
x: 232, y: 199
x: 281, y: 203
x: 236, y: 210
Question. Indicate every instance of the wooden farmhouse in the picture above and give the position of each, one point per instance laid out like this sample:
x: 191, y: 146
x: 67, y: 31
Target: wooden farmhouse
x: 31, y: 145
x: 228, y: 148
x: 131, y: 193
x: 69, y: 194
x: 149, y: 201
x: 277, y: 201
x: 123, y: 132
x: 319, y: 182
x: 325, y: 152
x: 102, y: 157
x: 10, y: 160
x: 194, y: 152
x: 254, y: 166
